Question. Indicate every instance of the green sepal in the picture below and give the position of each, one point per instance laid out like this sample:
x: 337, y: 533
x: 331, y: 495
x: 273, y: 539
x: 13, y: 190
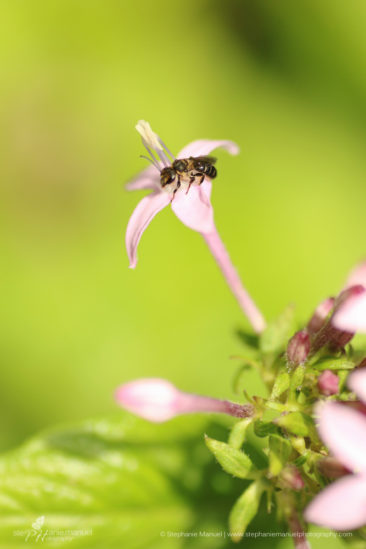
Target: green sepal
x: 233, y: 461
x: 238, y: 432
x: 264, y: 428
x: 276, y: 406
x: 279, y: 452
x: 245, y: 509
x: 298, y: 443
x: 342, y: 376
x: 297, y: 379
x: 275, y: 337
x: 247, y: 364
x: 296, y: 423
x: 300, y: 460
x: 281, y: 384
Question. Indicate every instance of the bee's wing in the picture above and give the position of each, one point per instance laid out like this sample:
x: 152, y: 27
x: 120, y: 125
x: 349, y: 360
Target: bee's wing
x: 210, y: 159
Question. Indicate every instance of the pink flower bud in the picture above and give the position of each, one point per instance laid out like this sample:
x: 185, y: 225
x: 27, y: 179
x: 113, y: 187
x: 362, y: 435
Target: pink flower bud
x: 158, y: 400
x: 328, y: 383
x: 340, y: 328
x: 290, y: 477
x: 332, y: 468
x: 298, y: 348
x: 320, y: 314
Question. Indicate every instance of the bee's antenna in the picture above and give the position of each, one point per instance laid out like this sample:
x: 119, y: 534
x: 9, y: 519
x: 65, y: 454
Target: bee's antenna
x: 151, y: 161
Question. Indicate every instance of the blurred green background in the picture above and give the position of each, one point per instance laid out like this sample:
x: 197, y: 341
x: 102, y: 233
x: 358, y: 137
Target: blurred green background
x: 285, y: 80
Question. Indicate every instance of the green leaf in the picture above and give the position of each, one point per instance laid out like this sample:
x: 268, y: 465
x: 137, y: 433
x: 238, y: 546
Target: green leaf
x: 334, y: 364
x: 294, y: 422
x: 275, y: 337
x: 279, y: 452
x: 281, y: 384
x: 116, y: 482
x: 233, y: 461
x: 245, y: 509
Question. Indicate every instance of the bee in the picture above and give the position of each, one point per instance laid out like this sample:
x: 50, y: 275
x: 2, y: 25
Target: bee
x: 188, y: 171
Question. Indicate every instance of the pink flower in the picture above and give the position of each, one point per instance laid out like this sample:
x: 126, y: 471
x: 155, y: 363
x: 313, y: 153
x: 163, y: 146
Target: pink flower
x: 193, y: 208
x: 158, y: 400
x: 342, y: 505
x: 191, y: 203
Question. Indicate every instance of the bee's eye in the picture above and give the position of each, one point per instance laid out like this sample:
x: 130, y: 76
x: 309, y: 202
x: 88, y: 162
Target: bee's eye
x: 167, y: 176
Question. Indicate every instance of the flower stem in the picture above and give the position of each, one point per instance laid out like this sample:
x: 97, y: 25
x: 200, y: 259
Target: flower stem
x: 297, y: 531
x: 223, y: 260
x: 189, y: 403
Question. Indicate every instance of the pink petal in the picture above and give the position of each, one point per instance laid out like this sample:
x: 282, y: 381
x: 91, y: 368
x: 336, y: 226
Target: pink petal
x: 147, y: 179
x: 343, y: 430
x: 351, y: 314
x: 340, y: 506
x: 194, y: 208
x: 202, y: 147
x: 357, y: 382
x: 144, y: 212
x: 357, y: 276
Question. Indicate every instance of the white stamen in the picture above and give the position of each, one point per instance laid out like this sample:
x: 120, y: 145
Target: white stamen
x: 166, y: 148
x: 152, y: 142
x: 163, y: 158
x: 148, y: 136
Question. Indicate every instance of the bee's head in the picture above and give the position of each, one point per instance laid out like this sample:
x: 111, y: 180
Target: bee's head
x: 167, y: 176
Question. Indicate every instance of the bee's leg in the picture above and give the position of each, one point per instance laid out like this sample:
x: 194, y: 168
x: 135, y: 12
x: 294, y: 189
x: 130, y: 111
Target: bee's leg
x: 192, y: 180
x: 176, y: 188
x: 201, y: 175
